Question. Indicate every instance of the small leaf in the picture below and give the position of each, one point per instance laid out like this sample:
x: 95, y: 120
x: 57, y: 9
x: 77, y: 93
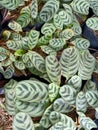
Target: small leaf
x: 15, y: 26
x: 53, y: 91
x: 34, y: 8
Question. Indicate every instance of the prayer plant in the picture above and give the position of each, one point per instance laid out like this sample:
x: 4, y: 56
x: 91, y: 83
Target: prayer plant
x: 45, y: 39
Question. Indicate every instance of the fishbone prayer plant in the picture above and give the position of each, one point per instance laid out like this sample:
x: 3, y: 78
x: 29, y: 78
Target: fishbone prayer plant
x: 45, y: 39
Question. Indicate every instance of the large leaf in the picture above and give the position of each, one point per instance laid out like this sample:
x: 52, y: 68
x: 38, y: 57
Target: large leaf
x: 60, y: 105
x: 92, y: 23
x: 86, y: 67
x: 34, y: 8
x: 22, y: 121
x: 45, y: 122
x: 76, y: 82
x: 81, y: 102
x: 53, y: 91
x: 31, y: 91
x: 68, y: 93
x: 87, y: 123
x: 49, y: 10
x: 53, y: 69
x: 69, y: 62
x: 92, y: 98
x: 81, y: 6
x: 34, y: 109
x: 58, y: 117
x: 81, y: 43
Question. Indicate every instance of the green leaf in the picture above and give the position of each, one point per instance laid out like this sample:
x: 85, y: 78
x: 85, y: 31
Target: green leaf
x: 53, y: 91
x: 87, y: 64
x: 69, y: 62
x: 45, y: 122
x: 49, y: 9
x: 58, y: 117
x: 58, y: 126
x: 19, y: 52
x: 76, y: 28
x: 60, y: 105
x: 53, y: 69
x: 34, y: 109
x: 92, y: 23
x: 34, y: 8
x: 68, y: 93
x: 22, y: 121
x: 15, y: 26
x: 31, y: 91
x: 81, y: 102
x: 2, y: 57
x: 81, y: 7
x: 87, y: 123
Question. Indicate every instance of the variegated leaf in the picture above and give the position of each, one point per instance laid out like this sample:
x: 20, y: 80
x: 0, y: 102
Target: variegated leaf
x: 86, y: 67
x: 53, y: 69
x: 76, y: 28
x: 87, y: 123
x: 92, y: 23
x: 68, y: 93
x: 65, y: 17
x: 49, y: 10
x: 76, y: 82
x: 45, y: 122
x: 8, y: 73
x: 22, y: 121
x: 15, y: 26
x: 15, y: 36
x: 93, y: 4
x: 31, y: 91
x: 69, y: 62
x: 58, y: 126
x: 10, y: 4
x: 58, y: 117
x: 53, y: 91
x: 67, y: 34
x: 58, y: 22
x: 92, y: 98
x: 38, y: 61
x: 81, y: 6
x: 57, y: 43
x: 68, y: 9
x: 39, y: 127
x: 48, y: 50
x: 19, y: 65
x: 2, y: 57
x: 60, y: 105
x: 33, y: 38
x: 81, y: 43
x: 44, y: 40
x: 34, y: 109
x: 14, y: 45
x: 34, y: 8
x: 10, y: 97
x: 81, y: 102
x: 48, y: 28
x: 90, y: 85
